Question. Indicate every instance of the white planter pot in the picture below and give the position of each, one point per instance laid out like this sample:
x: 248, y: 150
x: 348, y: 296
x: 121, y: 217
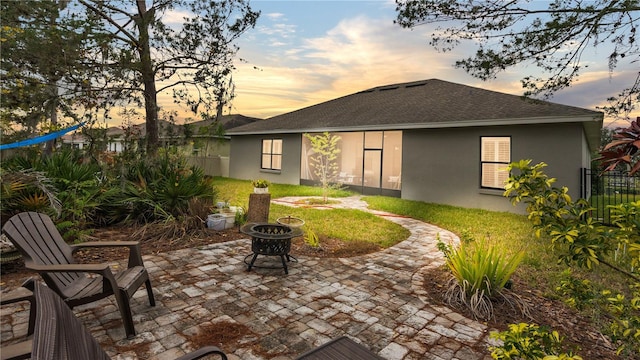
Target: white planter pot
x: 230, y: 219
x: 261, y: 190
x: 216, y: 222
x: 221, y: 221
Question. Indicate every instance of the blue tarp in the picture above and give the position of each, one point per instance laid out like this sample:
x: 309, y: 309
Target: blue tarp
x: 40, y: 139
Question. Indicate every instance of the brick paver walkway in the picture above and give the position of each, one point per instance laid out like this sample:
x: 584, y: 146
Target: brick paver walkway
x: 376, y: 300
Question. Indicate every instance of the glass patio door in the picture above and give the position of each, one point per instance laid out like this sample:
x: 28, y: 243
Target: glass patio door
x: 372, y: 168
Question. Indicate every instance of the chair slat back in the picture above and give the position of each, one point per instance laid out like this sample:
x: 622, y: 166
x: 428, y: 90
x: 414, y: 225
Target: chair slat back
x: 58, y: 333
x: 39, y: 241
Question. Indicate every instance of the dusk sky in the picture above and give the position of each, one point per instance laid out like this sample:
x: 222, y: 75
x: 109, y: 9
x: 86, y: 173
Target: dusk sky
x: 303, y: 53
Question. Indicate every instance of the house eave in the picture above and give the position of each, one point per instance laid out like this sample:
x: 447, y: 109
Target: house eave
x: 438, y: 125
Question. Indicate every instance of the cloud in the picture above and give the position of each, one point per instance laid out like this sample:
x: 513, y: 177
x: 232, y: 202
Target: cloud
x: 593, y: 88
x: 356, y: 54
x: 362, y: 52
x: 175, y: 18
x: 274, y: 16
x: 283, y: 30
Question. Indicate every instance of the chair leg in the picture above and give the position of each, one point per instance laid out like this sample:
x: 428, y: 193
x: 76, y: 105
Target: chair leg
x: 125, y: 313
x: 152, y: 299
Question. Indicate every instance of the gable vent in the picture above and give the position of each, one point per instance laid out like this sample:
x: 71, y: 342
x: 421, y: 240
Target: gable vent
x: 416, y: 85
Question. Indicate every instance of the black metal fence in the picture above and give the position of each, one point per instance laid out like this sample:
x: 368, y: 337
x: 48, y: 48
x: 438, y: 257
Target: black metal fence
x: 610, y: 188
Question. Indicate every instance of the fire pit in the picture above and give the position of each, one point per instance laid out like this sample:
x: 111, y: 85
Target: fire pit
x: 270, y: 240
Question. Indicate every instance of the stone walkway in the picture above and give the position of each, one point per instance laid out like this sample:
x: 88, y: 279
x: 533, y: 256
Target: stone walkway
x: 376, y: 299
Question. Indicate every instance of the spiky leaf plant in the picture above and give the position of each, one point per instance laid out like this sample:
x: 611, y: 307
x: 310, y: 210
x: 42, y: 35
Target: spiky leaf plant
x: 480, y: 273
x: 161, y: 189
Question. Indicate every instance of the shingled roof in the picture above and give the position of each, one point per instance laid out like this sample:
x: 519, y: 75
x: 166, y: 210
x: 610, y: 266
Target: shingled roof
x: 430, y: 103
x: 227, y: 121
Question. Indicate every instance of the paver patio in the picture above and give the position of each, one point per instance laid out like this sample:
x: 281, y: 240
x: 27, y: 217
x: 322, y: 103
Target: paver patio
x: 377, y: 300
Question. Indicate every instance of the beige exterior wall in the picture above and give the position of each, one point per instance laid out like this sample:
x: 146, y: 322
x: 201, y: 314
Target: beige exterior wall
x: 446, y: 170
x: 244, y: 162
x: 209, y: 146
x: 211, y: 165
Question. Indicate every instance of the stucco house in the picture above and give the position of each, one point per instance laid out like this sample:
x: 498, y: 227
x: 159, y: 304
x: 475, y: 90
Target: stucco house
x: 430, y: 140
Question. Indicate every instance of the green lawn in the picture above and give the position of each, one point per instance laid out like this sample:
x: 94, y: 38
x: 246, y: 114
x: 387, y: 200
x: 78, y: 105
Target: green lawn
x: 345, y: 224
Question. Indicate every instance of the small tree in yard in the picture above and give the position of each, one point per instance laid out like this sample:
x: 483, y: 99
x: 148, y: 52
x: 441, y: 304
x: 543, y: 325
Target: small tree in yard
x: 324, y: 159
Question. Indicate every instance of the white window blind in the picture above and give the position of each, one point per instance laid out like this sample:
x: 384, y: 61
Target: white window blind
x: 271, y: 154
x: 494, y: 158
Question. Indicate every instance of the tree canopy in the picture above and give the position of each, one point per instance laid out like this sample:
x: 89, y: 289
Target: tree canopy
x: 143, y: 48
x: 42, y: 67
x: 552, y: 35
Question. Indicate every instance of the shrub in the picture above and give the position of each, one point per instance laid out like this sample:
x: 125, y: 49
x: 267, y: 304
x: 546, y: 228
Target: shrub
x: 530, y: 342
x: 160, y: 189
x: 480, y: 273
x: 576, y: 292
x: 26, y: 190
x: 79, y: 183
x: 625, y: 326
x: 241, y: 216
x: 586, y: 242
x: 76, y: 183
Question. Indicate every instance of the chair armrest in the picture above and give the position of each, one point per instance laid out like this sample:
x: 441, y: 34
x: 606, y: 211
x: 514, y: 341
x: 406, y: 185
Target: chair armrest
x: 135, y: 255
x: 90, y: 268
x: 202, y: 352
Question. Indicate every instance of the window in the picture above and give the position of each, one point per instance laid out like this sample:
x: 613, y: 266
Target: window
x: 369, y: 158
x: 494, y: 157
x: 271, y: 154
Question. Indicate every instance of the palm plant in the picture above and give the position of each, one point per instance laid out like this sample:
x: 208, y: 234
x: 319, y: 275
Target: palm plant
x: 162, y: 188
x: 79, y: 182
x: 26, y: 190
x: 75, y: 182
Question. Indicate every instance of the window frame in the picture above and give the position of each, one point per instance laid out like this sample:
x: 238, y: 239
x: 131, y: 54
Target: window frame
x: 483, y: 162
x: 271, y: 154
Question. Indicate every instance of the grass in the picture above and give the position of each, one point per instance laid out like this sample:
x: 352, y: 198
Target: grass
x: 495, y: 227
x: 345, y: 224
x: 237, y: 191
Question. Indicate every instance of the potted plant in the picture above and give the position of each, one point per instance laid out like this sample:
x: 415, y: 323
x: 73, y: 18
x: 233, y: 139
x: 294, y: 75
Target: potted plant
x: 260, y: 186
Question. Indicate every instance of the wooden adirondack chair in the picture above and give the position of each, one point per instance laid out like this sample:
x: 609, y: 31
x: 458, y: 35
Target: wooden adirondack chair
x: 45, y: 251
x: 60, y: 335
